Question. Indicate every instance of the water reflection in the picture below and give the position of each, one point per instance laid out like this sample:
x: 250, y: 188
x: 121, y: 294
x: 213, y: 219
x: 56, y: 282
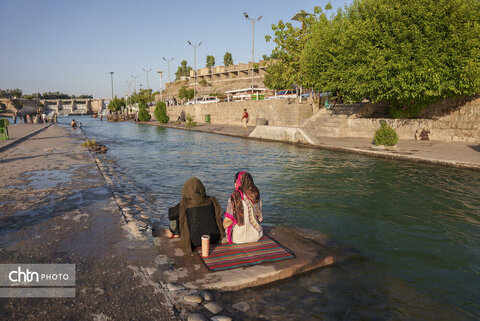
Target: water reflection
x: 419, y: 224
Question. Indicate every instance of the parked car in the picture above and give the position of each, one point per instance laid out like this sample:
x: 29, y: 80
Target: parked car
x: 284, y: 94
x: 208, y: 100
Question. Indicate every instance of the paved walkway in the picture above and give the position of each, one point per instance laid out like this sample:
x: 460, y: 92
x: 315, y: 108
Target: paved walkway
x: 453, y: 154
x: 55, y: 207
x: 19, y: 132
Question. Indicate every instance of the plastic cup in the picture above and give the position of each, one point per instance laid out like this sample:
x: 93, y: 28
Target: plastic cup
x: 205, y: 245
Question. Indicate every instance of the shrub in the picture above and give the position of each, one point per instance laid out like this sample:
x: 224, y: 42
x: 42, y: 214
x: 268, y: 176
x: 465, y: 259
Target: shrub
x: 184, y: 92
x: 89, y: 143
x: 143, y: 114
x: 190, y: 121
x: 116, y: 104
x: 203, y: 82
x: 161, y: 112
x: 385, y: 135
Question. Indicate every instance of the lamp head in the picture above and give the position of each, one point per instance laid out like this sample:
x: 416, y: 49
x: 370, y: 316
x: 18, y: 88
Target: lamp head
x: 246, y: 15
x: 259, y: 18
x: 188, y: 41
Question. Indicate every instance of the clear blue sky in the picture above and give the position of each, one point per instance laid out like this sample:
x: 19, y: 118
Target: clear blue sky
x: 71, y: 46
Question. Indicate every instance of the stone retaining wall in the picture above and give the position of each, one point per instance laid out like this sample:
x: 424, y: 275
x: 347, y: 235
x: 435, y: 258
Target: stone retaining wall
x: 462, y: 124
x: 277, y: 112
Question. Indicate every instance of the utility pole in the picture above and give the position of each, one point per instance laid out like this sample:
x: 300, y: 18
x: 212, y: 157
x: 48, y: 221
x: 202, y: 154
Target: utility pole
x: 111, y: 78
x: 134, y: 83
x: 253, y: 43
x: 147, y: 71
x: 168, y: 62
x: 195, y: 68
x: 160, y: 74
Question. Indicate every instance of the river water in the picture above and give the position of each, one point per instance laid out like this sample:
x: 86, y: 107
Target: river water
x: 418, y: 224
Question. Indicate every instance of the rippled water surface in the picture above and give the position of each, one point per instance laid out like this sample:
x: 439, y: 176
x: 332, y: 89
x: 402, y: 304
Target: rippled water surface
x: 419, y: 224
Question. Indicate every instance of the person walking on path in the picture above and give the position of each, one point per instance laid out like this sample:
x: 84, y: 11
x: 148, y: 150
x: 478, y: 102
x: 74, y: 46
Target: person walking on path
x: 55, y: 118
x: 245, y: 119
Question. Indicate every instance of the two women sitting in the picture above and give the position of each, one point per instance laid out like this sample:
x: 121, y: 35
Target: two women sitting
x: 198, y: 214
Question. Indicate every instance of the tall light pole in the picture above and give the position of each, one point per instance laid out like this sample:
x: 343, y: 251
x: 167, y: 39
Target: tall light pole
x: 159, y: 72
x: 253, y: 34
x: 147, y: 71
x: 129, y: 85
x: 168, y: 62
x: 111, y: 78
x: 134, y: 83
x: 195, y: 68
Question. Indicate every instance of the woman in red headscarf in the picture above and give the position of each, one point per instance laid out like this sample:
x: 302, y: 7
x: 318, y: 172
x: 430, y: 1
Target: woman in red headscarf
x: 244, y: 211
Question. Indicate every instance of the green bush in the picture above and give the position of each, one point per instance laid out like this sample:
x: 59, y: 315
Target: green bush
x: 116, y: 104
x: 190, y: 121
x: 161, y: 112
x: 89, y: 143
x: 385, y: 135
x: 184, y: 92
x: 143, y: 114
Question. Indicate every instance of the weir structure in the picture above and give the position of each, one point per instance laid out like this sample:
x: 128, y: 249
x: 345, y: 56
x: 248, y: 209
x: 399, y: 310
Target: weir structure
x: 75, y: 106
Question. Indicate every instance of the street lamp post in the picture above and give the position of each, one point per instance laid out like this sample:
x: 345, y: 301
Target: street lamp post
x: 253, y: 34
x: 147, y: 71
x: 159, y: 72
x: 168, y: 62
x: 134, y: 83
x: 195, y: 68
x: 148, y: 85
x: 111, y: 78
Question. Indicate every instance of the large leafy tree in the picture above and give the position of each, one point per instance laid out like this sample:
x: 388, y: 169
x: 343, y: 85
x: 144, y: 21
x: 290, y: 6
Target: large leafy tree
x: 286, y: 71
x: 404, y: 53
x: 227, y: 59
x: 183, y: 70
x: 210, y: 61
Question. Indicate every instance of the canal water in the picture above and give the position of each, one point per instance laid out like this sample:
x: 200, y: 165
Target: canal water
x: 418, y: 224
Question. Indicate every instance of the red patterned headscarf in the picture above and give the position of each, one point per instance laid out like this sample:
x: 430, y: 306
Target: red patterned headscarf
x: 244, y: 187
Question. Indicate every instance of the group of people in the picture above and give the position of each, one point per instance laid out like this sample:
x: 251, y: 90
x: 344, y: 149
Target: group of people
x: 198, y: 214
x: 39, y: 117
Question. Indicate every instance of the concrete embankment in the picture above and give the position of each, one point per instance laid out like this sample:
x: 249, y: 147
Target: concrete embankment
x: 56, y: 208
x: 449, y: 154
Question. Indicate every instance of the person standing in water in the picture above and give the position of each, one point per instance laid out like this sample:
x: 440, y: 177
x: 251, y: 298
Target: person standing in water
x: 73, y: 124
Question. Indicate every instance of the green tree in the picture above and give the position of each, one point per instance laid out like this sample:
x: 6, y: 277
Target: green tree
x: 227, y: 59
x: 290, y: 41
x: 210, y: 61
x: 186, y: 93
x: 406, y: 54
x: 183, y: 70
x: 143, y: 114
x: 116, y: 104
x: 161, y: 112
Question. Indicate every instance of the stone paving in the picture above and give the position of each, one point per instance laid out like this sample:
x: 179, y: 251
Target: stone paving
x: 55, y: 207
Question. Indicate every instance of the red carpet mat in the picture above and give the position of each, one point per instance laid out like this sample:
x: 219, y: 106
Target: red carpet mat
x: 230, y: 256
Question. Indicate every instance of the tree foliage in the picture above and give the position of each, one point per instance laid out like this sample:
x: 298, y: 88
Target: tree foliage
x: 227, y: 59
x: 143, y: 114
x: 161, y: 112
x: 144, y: 96
x: 406, y: 54
x: 290, y: 41
x: 116, y: 104
x: 210, y: 61
x: 185, y: 93
x: 10, y: 93
x: 183, y: 70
